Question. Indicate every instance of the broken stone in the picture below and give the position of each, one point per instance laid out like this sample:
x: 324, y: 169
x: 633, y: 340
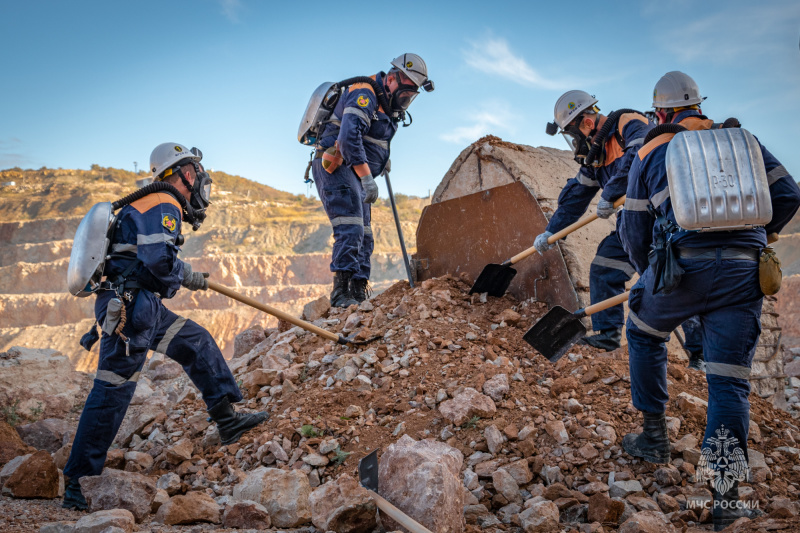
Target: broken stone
x: 11, y: 444
x: 246, y: 515
x: 115, y: 489
x: 284, y: 494
x: 315, y: 459
x: 45, y: 434
x: 180, y: 451
x: 556, y: 429
x: 316, y: 309
x: 519, y: 471
x: 343, y: 506
x: 466, y: 405
x: 421, y: 478
x: 647, y: 522
x: 161, y: 498
x: 540, y: 517
x: 36, y: 476
x: 504, y: 484
x: 497, y: 387
x: 603, y: 509
x: 667, y: 476
x: 247, y: 340
x: 494, y: 439
x: 101, y: 520
x: 169, y: 482
x: 622, y: 489
x: 189, y: 508
x: 509, y: 316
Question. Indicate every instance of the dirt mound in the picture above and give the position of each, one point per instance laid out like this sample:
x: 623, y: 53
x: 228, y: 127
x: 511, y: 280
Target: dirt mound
x: 554, y: 429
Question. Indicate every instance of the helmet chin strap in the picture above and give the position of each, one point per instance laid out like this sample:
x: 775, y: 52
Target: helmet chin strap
x: 193, y: 216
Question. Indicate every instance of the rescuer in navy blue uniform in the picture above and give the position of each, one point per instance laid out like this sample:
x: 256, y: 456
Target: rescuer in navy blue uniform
x: 144, y: 267
x: 579, y: 119
x: 361, y: 130
x: 720, y: 285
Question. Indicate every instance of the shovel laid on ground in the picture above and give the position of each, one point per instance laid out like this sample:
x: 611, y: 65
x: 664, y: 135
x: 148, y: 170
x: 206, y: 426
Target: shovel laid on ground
x: 558, y: 330
x: 495, y: 279
x: 308, y: 326
x: 368, y: 475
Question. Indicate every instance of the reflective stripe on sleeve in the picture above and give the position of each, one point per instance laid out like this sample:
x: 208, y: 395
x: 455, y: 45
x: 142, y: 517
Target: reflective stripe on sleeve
x: 632, y: 204
x: 583, y: 179
x: 660, y: 197
x: 373, y: 140
x: 360, y: 113
x: 776, y: 173
x: 367, y: 230
x: 117, y: 248
x: 155, y: 238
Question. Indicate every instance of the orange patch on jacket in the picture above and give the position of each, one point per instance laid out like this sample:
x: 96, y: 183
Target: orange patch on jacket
x: 150, y: 201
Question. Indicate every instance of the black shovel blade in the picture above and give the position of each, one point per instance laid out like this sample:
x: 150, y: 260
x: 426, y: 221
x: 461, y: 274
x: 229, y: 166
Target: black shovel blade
x: 555, y: 333
x: 368, y: 471
x: 494, y: 279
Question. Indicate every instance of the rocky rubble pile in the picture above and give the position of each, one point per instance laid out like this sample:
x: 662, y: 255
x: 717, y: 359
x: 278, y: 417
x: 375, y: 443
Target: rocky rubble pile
x: 476, y: 432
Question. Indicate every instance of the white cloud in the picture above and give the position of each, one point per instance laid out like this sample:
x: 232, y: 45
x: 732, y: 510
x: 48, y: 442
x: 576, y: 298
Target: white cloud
x: 730, y: 36
x: 493, y: 56
x: 230, y: 8
x: 494, y: 118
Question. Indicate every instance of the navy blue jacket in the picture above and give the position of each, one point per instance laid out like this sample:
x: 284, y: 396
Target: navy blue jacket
x: 362, y: 128
x: 647, y: 185
x: 612, y: 177
x: 146, y: 230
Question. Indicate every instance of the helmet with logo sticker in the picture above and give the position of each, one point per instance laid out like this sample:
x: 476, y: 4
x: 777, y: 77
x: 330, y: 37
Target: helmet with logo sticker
x: 167, y: 155
x: 415, y: 68
x: 570, y: 105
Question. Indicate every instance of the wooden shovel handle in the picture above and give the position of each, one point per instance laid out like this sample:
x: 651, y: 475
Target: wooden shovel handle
x: 605, y: 304
x: 272, y: 311
x: 399, y: 516
x: 563, y: 233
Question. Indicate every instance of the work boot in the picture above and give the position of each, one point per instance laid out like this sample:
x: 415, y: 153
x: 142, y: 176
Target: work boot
x: 728, y: 508
x: 360, y: 289
x: 607, y: 339
x: 73, y: 497
x: 232, y: 425
x: 652, y: 444
x: 696, y: 361
x: 341, y: 295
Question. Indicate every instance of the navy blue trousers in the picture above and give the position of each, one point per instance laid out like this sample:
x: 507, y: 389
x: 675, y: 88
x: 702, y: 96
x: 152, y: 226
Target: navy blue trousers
x: 726, y: 297
x: 343, y: 200
x: 150, y: 325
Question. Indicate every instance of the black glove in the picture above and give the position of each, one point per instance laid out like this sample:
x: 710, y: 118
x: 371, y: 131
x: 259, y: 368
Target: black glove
x: 194, y: 281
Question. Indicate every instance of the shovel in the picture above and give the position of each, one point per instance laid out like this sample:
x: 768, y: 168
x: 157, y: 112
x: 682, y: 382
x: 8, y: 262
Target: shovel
x: 368, y: 475
x: 495, y: 279
x: 308, y: 326
x: 558, y: 330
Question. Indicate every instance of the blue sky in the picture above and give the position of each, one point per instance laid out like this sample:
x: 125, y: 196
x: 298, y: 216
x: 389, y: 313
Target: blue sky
x: 104, y: 82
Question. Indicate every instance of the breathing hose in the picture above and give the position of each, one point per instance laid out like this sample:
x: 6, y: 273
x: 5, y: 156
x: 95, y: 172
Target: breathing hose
x: 600, y: 138
x: 662, y: 129
x: 379, y: 94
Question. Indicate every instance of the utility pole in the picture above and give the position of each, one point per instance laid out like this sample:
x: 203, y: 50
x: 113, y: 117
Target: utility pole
x: 135, y: 167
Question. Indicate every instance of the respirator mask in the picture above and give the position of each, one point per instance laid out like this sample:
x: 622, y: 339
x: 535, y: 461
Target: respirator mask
x: 200, y: 197
x: 579, y: 143
x: 406, y: 91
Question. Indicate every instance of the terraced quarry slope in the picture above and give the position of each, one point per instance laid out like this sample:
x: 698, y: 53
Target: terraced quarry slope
x: 268, y: 244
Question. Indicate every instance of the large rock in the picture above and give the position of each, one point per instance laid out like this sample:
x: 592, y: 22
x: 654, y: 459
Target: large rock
x: 540, y: 517
x: 343, y: 506
x: 115, y: 489
x: 467, y: 404
x: 603, y: 509
x: 99, y: 521
x: 285, y: 495
x: 497, y: 387
x: 11, y: 444
x: 421, y: 478
x: 190, y: 508
x: 46, y: 434
x: 316, y: 309
x: 135, y: 421
x: 246, y: 515
x: 247, y: 340
x: 505, y: 484
x: 35, y: 477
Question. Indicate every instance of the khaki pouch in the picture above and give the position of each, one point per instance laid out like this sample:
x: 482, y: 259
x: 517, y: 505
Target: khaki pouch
x: 769, y: 271
x: 332, y: 158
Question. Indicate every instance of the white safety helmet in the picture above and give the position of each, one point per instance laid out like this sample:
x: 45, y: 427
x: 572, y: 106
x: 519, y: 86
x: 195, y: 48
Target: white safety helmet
x: 415, y: 68
x: 570, y: 105
x: 676, y: 89
x: 167, y: 155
